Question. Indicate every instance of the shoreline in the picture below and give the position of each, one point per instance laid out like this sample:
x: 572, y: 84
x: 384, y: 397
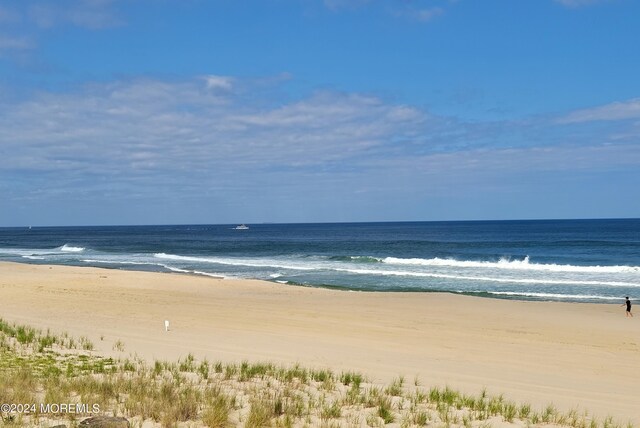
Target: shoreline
x: 345, y: 288
x: 576, y: 355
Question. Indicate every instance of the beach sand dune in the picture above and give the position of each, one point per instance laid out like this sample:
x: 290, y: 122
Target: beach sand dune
x: 583, y: 356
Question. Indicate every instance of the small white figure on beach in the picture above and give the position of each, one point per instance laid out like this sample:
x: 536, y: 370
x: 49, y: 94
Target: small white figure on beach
x: 166, y: 325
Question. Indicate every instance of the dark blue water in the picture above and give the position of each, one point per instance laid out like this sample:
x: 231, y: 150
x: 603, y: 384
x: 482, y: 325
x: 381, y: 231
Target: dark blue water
x: 574, y: 260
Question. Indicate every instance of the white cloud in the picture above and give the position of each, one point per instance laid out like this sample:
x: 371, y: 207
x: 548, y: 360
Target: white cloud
x: 24, y: 25
x: 504, y: 162
x: 219, y: 82
x: 150, y: 139
x: 629, y: 109
x: 149, y: 127
x: 542, y: 159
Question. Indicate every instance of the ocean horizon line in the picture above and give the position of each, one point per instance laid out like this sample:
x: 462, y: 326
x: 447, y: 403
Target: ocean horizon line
x: 258, y: 223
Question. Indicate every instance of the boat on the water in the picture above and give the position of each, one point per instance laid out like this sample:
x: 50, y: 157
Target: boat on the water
x: 241, y: 227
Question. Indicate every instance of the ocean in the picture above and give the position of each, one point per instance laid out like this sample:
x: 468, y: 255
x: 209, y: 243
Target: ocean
x: 559, y: 260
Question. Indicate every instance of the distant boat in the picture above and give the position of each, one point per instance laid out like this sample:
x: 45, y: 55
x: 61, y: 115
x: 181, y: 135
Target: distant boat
x: 241, y: 227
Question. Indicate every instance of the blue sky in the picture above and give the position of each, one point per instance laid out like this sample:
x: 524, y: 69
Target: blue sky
x: 220, y: 111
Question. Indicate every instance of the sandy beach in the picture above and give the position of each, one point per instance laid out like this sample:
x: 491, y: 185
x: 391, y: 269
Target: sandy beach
x: 582, y: 356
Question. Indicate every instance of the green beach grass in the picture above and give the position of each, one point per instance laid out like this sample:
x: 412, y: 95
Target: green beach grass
x: 45, y: 368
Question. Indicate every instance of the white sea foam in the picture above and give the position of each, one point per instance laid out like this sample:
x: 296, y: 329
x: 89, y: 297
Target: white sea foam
x: 491, y: 279
x: 34, y: 257
x: 71, y: 249
x: 162, y: 265
x: 504, y: 263
x: 238, y: 262
x: 120, y: 262
x: 175, y: 269
x: 17, y: 251
x: 212, y: 275
x: 551, y: 295
x: 32, y: 251
x: 194, y: 272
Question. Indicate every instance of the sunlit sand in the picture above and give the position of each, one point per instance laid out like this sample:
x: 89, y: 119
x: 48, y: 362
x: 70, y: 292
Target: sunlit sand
x: 581, y: 356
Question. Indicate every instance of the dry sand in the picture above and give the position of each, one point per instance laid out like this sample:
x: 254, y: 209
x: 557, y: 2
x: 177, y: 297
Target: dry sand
x: 582, y: 356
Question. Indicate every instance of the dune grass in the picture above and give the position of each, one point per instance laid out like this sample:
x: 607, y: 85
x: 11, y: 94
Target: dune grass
x: 42, y: 367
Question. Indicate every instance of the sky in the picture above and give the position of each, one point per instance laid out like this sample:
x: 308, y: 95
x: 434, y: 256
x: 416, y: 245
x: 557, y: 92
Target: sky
x: 220, y: 111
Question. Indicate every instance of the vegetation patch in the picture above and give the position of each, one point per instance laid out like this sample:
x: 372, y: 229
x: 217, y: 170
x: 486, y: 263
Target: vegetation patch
x: 47, y: 369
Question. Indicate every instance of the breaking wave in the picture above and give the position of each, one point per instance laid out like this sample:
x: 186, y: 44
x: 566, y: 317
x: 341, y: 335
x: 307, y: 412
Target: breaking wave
x: 426, y: 268
x: 505, y: 263
x: 66, y: 248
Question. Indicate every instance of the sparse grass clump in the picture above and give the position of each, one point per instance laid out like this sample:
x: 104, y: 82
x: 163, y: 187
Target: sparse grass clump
x: 385, y: 410
x: 118, y: 346
x: 395, y: 389
x: 216, y: 412
x: 351, y: 378
x: 86, y: 344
